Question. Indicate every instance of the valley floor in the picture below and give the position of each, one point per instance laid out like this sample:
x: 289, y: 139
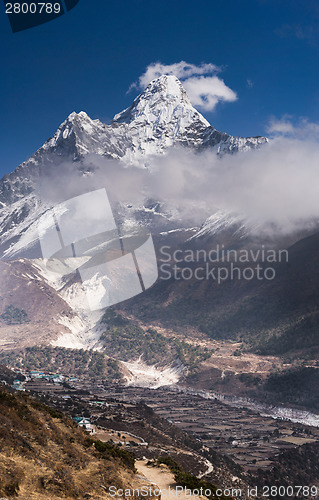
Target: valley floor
x: 250, y: 439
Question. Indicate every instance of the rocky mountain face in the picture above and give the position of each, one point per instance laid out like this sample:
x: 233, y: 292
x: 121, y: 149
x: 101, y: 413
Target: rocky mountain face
x: 278, y: 316
x: 48, y: 315
x: 158, y: 119
x: 161, y: 117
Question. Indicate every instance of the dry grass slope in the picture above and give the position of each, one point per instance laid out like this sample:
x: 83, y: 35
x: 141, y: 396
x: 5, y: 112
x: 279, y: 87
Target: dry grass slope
x: 44, y: 455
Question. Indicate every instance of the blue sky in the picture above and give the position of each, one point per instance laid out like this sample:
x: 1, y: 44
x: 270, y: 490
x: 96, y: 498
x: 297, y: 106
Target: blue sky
x: 88, y: 58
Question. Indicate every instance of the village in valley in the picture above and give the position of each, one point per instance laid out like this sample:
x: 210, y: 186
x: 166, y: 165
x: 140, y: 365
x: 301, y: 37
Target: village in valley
x: 104, y: 409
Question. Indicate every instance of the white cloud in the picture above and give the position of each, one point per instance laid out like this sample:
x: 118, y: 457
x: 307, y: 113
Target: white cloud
x: 204, y: 88
x: 301, y: 129
x: 206, y: 91
x: 181, y: 70
x: 282, y: 126
x: 275, y: 188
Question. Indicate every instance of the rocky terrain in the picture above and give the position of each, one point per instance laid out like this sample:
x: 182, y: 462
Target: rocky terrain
x: 45, y: 455
x: 228, y: 446
x: 241, y: 337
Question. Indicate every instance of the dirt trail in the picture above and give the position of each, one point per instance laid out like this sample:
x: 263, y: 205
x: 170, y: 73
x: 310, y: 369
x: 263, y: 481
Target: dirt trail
x: 164, y: 479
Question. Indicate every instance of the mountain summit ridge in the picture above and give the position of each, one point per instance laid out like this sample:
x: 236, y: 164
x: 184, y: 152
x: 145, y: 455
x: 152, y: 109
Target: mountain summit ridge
x: 164, y: 99
x: 162, y: 116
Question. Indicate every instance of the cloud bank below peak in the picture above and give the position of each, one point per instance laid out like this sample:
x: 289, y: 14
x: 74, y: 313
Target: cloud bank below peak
x: 204, y: 88
x: 286, y: 126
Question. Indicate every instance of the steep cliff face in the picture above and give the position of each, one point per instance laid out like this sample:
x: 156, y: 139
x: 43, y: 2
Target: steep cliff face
x: 160, y: 118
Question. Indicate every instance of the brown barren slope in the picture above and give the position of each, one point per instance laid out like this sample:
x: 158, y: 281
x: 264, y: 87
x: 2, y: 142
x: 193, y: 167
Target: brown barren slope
x: 45, y: 455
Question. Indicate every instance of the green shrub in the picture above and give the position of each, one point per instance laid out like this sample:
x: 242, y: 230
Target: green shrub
x: 108, y: 450
x: 14, y: 316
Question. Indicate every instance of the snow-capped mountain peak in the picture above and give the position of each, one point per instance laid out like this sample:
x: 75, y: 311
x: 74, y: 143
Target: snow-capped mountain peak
x: 163, y: 101
x: 77, y: 135
x: 161, y: 117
